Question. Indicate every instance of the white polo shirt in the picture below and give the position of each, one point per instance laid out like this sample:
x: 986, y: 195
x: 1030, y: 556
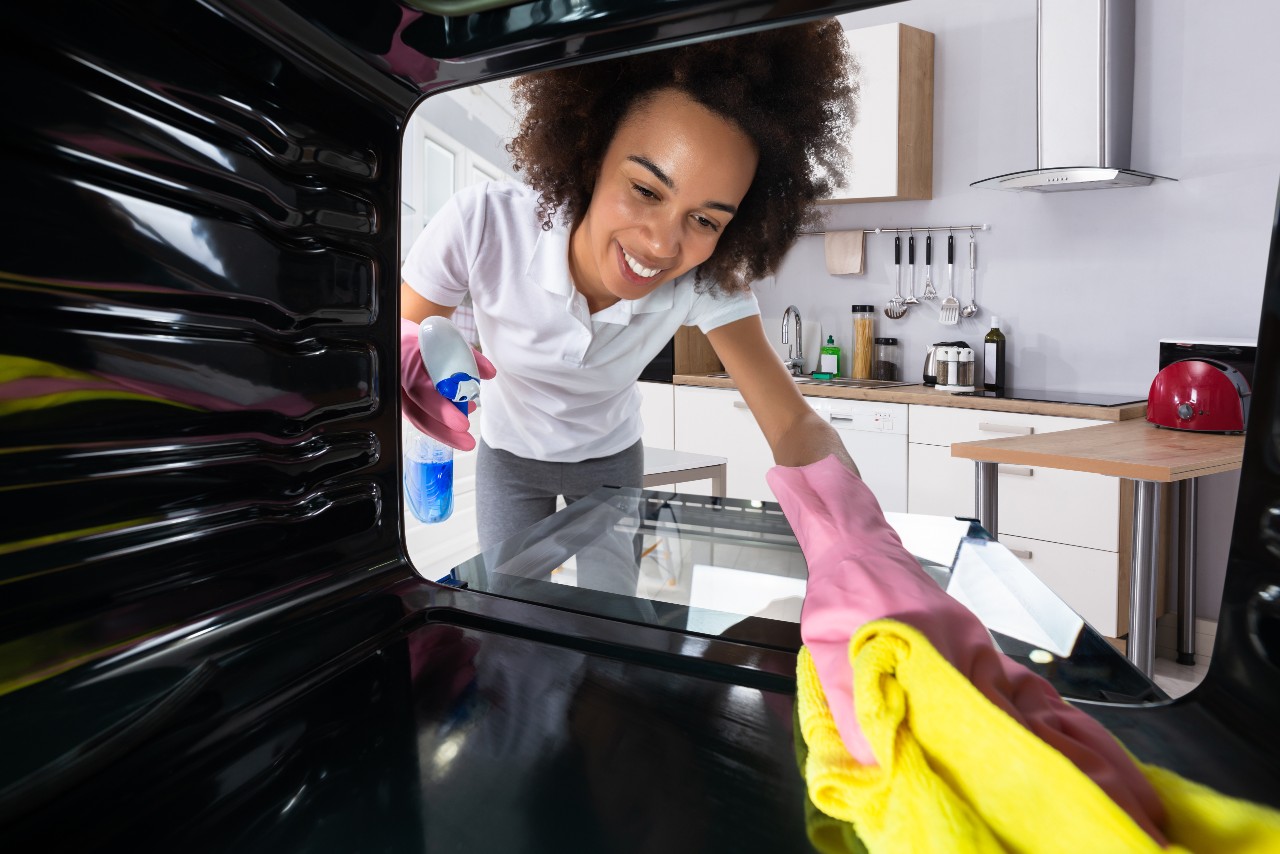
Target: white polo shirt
x: 566, y: 384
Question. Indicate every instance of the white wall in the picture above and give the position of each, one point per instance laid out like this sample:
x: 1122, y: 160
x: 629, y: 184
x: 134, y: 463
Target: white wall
x: 1085, y: 283
x: 480, y: 117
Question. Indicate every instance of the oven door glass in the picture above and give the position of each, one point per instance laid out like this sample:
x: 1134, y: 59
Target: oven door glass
x: 731, y: 569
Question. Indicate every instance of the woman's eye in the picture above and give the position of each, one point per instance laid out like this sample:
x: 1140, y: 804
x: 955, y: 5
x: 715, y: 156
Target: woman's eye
x: 706, y: 223
x: 644, y: 191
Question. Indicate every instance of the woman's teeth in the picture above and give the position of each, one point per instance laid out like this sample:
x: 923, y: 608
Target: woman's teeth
x: 643, y: 272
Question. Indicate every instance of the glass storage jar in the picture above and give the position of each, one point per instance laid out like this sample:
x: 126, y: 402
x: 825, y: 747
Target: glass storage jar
x: 864, y: 318
x: 887, y: 361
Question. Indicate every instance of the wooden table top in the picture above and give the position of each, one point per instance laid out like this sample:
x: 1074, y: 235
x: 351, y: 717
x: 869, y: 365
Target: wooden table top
x: 1134, y: 449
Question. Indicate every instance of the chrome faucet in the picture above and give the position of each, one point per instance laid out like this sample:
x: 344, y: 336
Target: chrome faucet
x: 795, y: 363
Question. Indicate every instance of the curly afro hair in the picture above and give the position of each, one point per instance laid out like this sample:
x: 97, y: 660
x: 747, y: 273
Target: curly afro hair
x: 790, y: 90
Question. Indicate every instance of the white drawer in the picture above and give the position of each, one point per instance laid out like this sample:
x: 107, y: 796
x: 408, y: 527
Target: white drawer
x: 658, y: 414
x: 1060, y: 506
x: 717, y: 422
x: 1088, y: 580
x: 938, y: 484
x: 941, y: 425
x: 1046, y: 504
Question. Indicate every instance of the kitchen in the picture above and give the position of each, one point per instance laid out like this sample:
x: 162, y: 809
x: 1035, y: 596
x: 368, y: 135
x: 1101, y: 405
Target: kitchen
x: 214, y: 635
x: 1085, y: 283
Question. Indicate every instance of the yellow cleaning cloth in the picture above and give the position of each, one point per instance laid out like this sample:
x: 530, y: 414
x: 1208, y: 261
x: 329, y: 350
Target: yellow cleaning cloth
x: 957, y: 774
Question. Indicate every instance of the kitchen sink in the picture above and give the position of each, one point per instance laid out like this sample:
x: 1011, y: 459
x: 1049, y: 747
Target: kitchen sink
x: 839, y: 382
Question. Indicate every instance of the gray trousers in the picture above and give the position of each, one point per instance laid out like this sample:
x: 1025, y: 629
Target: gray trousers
x: 513, y: 493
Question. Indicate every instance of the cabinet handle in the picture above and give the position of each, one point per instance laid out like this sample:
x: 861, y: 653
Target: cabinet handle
x: 1021, y: 554
x: 1020, y: 471
x: 988, y: 427
x: 739, y: 404
x: 841, y: 417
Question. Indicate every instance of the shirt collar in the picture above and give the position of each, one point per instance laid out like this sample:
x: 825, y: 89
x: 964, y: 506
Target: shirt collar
x: 549, y: 266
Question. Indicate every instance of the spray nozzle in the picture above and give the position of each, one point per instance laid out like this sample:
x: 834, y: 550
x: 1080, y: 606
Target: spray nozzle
x: 449, y: 360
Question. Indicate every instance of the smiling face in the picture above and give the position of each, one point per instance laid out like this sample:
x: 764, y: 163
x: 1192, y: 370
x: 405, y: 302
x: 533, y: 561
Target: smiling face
x: 669, y: 184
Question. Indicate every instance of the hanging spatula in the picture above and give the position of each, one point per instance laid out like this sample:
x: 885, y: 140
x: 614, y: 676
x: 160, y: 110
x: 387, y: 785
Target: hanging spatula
x: 950, y: 314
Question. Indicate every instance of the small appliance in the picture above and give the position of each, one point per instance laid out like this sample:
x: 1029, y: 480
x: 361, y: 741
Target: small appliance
x: 1203, y: 395
x: 1239, y: 353
x: 931, y: 354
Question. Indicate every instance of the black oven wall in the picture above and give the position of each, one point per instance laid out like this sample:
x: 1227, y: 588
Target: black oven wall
x: 197, y: 289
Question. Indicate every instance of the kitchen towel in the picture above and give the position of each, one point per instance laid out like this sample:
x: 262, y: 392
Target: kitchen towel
x: 845, y: 251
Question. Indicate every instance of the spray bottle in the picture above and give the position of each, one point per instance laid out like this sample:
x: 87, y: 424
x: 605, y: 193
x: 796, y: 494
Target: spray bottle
x: 428, y: 463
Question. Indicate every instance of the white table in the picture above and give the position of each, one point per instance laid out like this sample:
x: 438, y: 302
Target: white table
x: 663, y: 466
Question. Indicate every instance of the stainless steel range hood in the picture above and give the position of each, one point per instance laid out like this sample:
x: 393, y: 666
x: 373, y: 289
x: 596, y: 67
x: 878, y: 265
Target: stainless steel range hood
x: 1084, y: 100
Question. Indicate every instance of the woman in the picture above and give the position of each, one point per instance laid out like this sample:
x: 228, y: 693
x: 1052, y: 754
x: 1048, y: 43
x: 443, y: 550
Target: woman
x: 659, y: 187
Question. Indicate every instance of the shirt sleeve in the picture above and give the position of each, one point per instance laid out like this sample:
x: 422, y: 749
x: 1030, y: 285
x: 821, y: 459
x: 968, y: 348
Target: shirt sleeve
x: 439, y: 265
x: 712, y: 309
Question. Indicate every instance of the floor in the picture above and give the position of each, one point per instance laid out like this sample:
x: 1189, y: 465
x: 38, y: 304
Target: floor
x: 1177, y: 679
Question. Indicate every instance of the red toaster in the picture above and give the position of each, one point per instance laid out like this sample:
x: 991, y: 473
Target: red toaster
x: 1203, y: 395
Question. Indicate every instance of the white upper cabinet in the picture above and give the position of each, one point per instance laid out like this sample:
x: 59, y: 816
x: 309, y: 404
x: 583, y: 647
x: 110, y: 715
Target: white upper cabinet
x: 892, y: 142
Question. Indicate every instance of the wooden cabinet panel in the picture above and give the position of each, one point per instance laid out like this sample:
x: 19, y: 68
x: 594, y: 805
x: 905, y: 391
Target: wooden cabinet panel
x: 891, y: 147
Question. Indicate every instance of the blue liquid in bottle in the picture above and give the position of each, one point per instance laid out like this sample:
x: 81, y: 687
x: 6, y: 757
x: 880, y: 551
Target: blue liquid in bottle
x: 428, y: 478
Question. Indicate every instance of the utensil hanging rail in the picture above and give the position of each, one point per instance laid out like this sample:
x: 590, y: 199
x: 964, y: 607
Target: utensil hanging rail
x: 911, y: 228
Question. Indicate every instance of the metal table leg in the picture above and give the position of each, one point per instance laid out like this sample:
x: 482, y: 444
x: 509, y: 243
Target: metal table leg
x: 719, y: 481
x: 985, y: 500
x: 1142, y: 591
x: 1187, y: 572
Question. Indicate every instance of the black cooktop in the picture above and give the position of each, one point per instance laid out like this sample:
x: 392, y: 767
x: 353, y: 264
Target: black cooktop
x: 1085, y: 398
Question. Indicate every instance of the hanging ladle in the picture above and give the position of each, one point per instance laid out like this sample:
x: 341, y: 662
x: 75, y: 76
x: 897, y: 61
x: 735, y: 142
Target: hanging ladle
x: 895, y: 308
x: 972, y: 308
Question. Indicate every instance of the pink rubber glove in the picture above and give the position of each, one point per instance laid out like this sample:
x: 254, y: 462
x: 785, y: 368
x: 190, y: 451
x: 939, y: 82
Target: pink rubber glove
x: 426, y: 408
x: 859, y: 571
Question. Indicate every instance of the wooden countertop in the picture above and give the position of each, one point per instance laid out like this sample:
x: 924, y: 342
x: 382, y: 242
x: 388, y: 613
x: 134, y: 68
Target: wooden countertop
x: 1133, y: 449
x: 927, y: 396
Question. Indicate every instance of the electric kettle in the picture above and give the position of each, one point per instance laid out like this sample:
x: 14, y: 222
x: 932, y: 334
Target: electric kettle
x: 931, y: 359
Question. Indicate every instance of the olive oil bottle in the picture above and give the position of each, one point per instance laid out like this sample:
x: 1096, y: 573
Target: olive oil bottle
x: 993, y: 358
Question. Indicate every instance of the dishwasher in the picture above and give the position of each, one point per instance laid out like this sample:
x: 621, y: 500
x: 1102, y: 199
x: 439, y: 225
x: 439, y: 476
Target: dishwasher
x: 875, y: 435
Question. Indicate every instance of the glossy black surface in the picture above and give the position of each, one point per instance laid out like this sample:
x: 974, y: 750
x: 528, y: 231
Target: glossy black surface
x: 210, y: 637
x: 663, y: 366
x: 206, y: 606
x: 1082, y: 397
